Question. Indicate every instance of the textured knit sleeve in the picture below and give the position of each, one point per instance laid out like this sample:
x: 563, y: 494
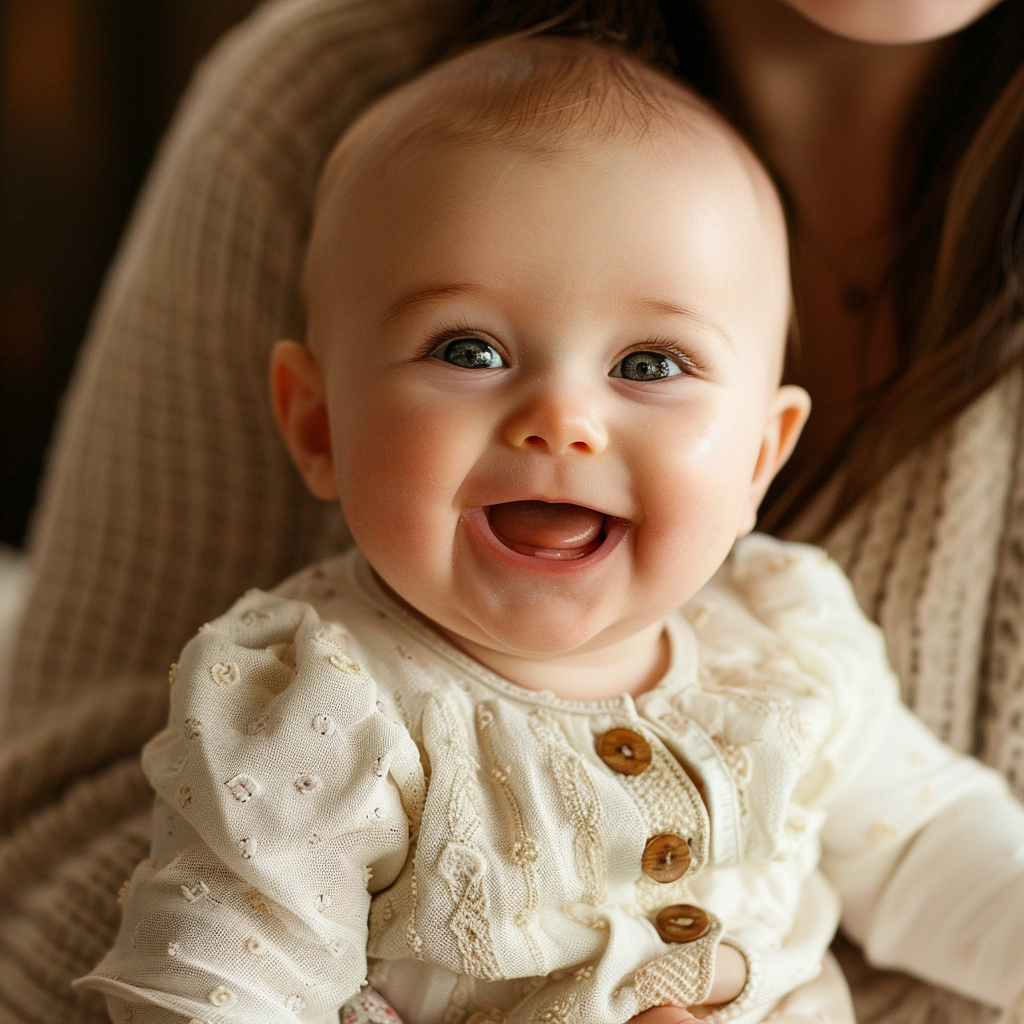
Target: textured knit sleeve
x: 277, y: 812
x: 802, y: 719
x: 843, y: 687
x: 926, y: 848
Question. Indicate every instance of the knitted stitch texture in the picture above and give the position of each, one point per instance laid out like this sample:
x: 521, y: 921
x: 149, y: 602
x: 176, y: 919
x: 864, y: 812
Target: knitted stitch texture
x: 169, y: 494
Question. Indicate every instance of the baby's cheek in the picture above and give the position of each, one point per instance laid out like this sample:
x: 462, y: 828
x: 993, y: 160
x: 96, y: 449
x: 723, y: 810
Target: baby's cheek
x: 399, y: 471
x: 693, y: 502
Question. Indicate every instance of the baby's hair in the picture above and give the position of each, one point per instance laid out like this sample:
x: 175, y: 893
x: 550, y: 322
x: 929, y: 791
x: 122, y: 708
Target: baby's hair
x: 543, y: 94
x: 540, y: 94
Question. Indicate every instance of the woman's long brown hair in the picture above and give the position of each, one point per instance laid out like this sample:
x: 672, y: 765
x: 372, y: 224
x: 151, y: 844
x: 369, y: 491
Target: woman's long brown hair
x: 958, y: 287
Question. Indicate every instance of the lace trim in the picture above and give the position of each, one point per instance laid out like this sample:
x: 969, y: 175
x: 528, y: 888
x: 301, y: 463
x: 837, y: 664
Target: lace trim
x: 581, y: 802
x: 524, y: 848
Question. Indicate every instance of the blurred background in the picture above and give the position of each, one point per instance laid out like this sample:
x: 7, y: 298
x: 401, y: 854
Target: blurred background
x: 88, y: 88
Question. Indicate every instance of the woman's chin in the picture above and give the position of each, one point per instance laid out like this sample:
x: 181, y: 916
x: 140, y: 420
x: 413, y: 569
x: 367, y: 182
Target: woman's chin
x: 892, y: 22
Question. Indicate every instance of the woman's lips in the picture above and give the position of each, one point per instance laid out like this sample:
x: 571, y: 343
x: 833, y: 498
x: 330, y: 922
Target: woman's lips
x: 571, y: 536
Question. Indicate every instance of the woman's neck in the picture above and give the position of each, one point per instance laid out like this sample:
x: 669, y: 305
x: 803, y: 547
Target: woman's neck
x: 829, y: 113
x: 830, y: 116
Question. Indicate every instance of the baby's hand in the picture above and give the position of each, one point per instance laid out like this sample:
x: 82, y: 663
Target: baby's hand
x: 730, y: 977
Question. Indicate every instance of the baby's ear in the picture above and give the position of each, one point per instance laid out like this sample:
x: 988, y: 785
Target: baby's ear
x: 787, y: 414
x: 300, y: 408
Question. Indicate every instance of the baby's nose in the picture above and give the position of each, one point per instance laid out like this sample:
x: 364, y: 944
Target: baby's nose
x: 557, y: 425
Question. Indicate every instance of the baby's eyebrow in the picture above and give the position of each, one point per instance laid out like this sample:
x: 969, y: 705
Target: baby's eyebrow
x: 673, y: 309
x: 435, y: 291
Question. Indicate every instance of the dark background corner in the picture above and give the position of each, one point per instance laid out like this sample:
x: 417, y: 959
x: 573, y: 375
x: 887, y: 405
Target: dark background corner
x: 88, y: 88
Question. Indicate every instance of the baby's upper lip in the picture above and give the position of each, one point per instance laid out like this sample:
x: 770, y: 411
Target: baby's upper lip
x: 560, y: 499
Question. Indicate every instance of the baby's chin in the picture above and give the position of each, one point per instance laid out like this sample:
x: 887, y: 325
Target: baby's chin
x: 508, y: 632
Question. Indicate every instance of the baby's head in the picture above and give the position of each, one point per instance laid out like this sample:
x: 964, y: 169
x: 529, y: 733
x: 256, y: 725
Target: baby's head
x: 547, y: 296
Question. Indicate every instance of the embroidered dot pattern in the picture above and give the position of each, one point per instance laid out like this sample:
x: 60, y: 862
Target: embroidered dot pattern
x: 221, y: 996
x: 195, y: 892
x: 255, y: 946
x: 247, y: 847
x: 172, y: 675
x: 184, y: 796
x: 323, y: 903
x: 307, y: 784
x: 259, y: 904
x: 193, y: 728
x: 325, y: 725
x: 295, y: 1004
x: 225, y: 674
x: 173, y: 949
x: 243, y: 787
x: 343, y: 664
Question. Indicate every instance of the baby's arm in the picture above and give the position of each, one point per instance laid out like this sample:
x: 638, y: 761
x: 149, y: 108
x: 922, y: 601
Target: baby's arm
x: 276, y: 812
x: 927, y: 851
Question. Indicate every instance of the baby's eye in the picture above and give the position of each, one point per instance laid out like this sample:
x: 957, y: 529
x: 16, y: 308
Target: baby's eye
x: 646, y: 366
x: 469, y: 353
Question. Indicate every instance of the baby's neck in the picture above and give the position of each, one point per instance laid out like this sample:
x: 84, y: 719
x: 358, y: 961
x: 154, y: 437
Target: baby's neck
x: 631, y: 666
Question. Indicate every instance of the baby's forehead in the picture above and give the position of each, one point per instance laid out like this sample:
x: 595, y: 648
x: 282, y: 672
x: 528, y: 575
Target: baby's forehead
x: 413, y: 162
x: 537, y: 97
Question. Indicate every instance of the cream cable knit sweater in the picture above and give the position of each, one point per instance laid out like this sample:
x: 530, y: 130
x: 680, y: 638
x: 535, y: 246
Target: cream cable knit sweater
x: 169, y: 494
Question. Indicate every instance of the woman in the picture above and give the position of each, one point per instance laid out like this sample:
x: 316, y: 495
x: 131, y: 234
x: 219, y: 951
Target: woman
x: 896, y: 130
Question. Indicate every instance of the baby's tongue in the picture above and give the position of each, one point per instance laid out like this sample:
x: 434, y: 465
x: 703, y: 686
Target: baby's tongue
x: 547, y: 529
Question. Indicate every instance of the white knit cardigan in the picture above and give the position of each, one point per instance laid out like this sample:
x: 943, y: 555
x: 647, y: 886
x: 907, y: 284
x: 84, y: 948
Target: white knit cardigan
x: 169, y: 494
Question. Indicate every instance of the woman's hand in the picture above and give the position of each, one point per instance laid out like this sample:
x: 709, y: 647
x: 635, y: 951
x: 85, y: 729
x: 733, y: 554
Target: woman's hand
x: 730, y: 977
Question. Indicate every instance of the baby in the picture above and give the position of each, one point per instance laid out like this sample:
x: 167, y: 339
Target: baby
x: 541, y: 749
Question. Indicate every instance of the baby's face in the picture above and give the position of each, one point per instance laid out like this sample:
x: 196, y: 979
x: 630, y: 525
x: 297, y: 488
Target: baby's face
x: 551, y: 381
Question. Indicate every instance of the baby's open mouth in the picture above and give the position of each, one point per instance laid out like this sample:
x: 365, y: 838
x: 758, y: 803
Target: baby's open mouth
x: 547, y: 529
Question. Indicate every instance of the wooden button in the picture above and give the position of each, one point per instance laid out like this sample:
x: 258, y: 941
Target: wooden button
x: 666, y: 858
x: 682, y: 923
x: 624, y: 751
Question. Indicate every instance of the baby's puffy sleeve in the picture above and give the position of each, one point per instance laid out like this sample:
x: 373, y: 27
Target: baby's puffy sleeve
x: 279, y: 809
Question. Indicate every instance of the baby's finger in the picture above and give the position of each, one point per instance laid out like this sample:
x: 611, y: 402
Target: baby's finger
x: 665, y: 1015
